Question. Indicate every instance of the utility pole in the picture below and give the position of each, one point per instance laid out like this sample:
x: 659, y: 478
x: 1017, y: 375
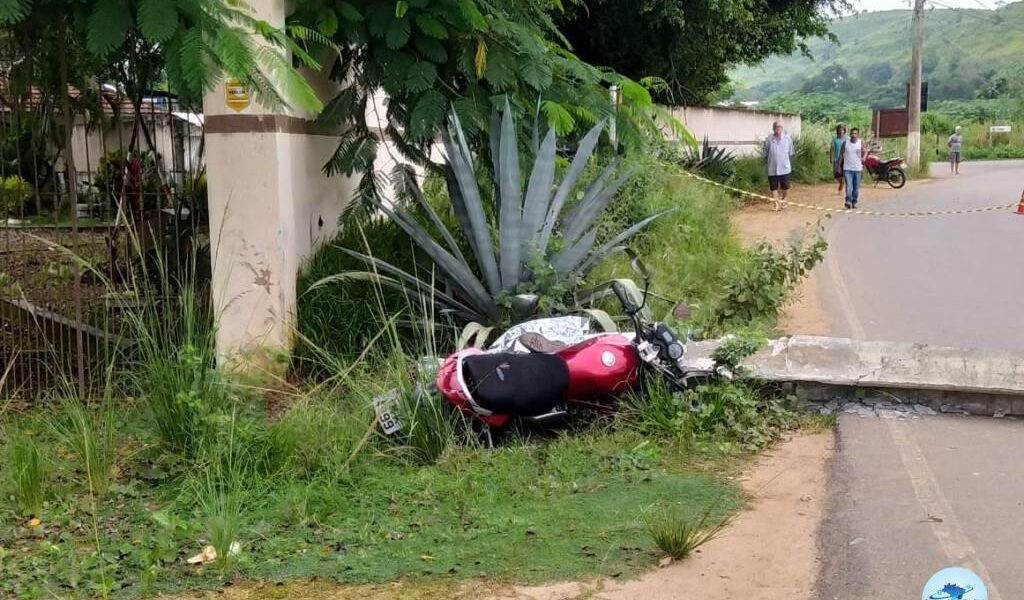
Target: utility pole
x: 914, y: 101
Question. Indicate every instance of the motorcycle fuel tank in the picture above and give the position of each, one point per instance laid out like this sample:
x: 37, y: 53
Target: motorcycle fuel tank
x: 603, y: 365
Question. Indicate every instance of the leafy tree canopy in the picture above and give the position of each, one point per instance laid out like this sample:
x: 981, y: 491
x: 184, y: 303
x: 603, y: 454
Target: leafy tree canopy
x: 189, y: 43
x: 691, y: 44
x: 436, y: 57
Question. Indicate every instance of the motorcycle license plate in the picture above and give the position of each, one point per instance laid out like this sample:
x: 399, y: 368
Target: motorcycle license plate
x: 386, y: 407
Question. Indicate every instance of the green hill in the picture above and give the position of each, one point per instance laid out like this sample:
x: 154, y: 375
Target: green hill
x: 965, y: 53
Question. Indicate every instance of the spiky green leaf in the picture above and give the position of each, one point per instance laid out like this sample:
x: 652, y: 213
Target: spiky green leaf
x: 579, y: 162
x: 108, y: 25
x: 412, y: 280
x: 457, y: 273
x: 158, y: 20
x: 573, y: 254
x: 539, y: 189
x: 476, y: 231
x: 414, y: 188
x: 511, y: 237
x: 601, y: 253
x: 401, y: 7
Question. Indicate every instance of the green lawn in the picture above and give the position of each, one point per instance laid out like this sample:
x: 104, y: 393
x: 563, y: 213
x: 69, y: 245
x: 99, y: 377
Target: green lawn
x: 531, y: 511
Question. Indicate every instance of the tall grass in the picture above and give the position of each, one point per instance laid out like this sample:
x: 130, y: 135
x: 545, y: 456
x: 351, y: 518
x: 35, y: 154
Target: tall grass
x: 174, y: 360
x: 677, y: 535
x: 811, y: 154
x: 226, y: 488
x: 92, y: 435
x: 28, y: 472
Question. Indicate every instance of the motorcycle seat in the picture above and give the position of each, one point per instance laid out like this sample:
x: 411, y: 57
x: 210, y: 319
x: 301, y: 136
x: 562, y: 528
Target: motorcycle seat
x: 516, y: 384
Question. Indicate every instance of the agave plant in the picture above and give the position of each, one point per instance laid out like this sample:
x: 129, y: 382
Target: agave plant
x: 522, y: 227
x: 713, y: 161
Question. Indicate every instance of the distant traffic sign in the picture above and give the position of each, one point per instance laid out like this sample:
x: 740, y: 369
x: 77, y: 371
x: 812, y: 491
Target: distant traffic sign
x: 1000, y: 129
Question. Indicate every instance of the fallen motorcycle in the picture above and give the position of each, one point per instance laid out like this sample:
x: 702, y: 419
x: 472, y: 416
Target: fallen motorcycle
x: 541, y: 370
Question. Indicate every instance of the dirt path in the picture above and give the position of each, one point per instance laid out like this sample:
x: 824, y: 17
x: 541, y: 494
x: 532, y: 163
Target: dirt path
x: 768, y: 552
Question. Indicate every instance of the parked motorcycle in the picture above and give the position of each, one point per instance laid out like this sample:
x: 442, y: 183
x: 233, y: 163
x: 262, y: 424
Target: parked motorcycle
x: 890, y: 171
x: 552, y: 377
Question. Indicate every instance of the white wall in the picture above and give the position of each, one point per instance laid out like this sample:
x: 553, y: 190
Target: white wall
x: 739, y: 130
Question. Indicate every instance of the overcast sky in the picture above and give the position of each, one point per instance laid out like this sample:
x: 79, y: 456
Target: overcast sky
x: 891, y: 4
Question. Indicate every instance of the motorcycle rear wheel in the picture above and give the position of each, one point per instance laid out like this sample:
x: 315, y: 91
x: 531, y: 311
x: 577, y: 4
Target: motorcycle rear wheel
x: 896, y: 178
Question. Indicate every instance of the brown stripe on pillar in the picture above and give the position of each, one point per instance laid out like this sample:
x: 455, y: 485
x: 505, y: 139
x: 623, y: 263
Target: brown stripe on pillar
x: 266, y: 124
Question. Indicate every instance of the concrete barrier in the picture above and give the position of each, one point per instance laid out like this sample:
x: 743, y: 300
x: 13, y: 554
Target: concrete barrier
x: 823, y: 369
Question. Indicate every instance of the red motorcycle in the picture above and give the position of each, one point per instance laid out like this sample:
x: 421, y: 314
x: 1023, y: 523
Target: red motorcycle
x: 552, y: 379
x: 890, y: 171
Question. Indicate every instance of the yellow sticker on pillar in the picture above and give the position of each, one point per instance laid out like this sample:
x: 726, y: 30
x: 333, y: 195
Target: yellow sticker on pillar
x: 236, y: 94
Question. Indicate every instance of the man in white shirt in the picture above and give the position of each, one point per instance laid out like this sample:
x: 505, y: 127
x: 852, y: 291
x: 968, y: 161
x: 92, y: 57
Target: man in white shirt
x: 778, y: 149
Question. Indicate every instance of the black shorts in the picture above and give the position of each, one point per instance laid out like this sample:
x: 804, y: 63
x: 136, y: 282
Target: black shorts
x: 778, y: 182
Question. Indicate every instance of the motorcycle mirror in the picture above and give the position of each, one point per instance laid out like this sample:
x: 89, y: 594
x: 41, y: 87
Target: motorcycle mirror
x: 637, y: 265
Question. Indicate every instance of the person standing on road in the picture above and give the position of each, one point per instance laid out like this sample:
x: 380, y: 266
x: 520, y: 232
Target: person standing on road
x: 852, y: 163
x: 836, y: 154
x: 955, y: 143
x: 778, y: 150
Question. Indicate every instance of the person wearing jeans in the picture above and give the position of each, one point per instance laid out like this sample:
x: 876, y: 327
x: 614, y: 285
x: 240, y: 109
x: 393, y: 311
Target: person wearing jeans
x: 852, y: 163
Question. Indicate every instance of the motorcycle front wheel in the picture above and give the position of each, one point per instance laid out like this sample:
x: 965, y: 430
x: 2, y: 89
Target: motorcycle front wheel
x: 896, y: 178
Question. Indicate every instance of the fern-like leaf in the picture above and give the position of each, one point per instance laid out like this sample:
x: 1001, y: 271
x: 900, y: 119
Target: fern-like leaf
x: 292, y: 85
x: 473, y: 15
x: 431, y: 49
x: 191, y: 59
x: 348, y: 12
x: 420, y: 77
x: 397, y: 33
x: 327, y: 22
x: 558, y: 117
x: 427, y: 114
x: 536, y: 73
x: 431, y: 26
x: 108, y: 25
x: 234, y: 52
x: 158, y: 20
x: 12, y: 11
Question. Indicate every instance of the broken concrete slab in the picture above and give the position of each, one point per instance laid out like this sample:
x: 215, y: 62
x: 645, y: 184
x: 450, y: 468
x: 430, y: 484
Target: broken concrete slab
x: 942, y: 378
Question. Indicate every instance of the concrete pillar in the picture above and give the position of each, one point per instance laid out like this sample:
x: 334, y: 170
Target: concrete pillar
x: 270, y: 207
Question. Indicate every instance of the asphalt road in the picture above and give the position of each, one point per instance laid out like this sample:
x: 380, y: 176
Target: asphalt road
x: 909, y: 496
x: 951, y: 280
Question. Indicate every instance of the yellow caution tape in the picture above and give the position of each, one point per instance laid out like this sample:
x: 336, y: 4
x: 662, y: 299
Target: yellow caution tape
x: 853, y: 211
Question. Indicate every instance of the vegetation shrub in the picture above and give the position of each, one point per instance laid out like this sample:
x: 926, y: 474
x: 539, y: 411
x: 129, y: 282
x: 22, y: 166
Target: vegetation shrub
x: 811, y: 154
x: 749, y: 173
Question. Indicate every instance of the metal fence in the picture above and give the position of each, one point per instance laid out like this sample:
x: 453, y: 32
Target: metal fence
x: 73, y: 242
